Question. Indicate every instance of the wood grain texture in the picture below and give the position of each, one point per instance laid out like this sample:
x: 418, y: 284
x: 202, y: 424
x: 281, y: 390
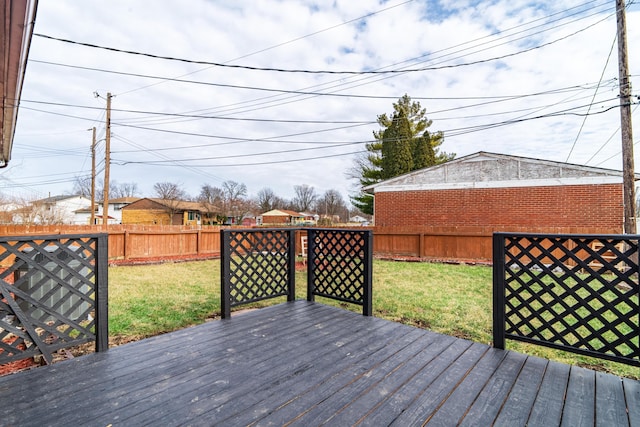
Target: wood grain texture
x: 304, y: 363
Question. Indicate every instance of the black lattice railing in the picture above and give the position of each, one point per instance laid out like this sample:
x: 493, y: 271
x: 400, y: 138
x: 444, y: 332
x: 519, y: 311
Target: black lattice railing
x: 257, y: 264
x: 53, y: 294
x: 574, y: 293
x: 340, y: 266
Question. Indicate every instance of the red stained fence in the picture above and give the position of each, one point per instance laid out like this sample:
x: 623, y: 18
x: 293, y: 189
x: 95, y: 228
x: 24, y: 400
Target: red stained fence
x: 140, y: 242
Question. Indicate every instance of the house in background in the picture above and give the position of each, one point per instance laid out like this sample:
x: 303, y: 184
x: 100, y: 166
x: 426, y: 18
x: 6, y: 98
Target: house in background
x: 310, y: 218
x: 503, y: 192
x: 115, y: 209
x: 358, y: 219
x: 166, y: 212
x: 280, y: 217
x: 52, y: 210
x: 83, y: 216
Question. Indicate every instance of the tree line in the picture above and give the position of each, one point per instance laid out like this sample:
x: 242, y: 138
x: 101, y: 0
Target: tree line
x: 402, y: 144
x: 231, y: 198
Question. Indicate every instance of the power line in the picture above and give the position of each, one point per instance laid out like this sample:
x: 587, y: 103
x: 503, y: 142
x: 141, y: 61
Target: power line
x: 201, y: 116
x: 269, y: 162
x: 492, y: 100
x: 235, y: 156
x: 284, y: 91
x: 304, y: 71
x: 285, y: 43
x: 593, y: 99
x: 608, y: 141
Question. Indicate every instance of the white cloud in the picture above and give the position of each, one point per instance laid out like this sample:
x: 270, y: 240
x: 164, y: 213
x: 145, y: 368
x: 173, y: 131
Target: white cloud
x: 270, y: 33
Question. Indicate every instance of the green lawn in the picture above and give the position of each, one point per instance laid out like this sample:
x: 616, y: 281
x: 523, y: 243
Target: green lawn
x: 450, y: 299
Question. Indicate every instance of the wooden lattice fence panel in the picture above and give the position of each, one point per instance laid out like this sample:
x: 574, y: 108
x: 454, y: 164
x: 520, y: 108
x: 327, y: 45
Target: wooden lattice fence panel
x: 340, y: 266
x: 53, y: 294
x: 257, y: 264
x: 574, y: 293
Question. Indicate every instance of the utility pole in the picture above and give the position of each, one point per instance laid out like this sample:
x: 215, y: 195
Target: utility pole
x: 93, y: 177
x: 107, y: 167
x: 628, y: 173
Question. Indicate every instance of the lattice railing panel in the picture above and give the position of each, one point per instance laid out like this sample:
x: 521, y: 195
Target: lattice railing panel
x: 340, y: 265
x: 257, y: 264
x: 49, y: 289
x: 577, y: 293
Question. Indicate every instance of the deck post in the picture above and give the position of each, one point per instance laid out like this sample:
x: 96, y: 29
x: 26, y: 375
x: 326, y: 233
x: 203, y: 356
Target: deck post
x: 498, y: 290
x: 367, y: 299
x: 102, y: 295
x: 291, y: 285
x: 311, y: 277
x: 225, y: 265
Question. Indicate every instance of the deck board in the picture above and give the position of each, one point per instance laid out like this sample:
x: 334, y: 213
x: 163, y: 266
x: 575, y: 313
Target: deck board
x: 305, y: 363
x: 549, y: 401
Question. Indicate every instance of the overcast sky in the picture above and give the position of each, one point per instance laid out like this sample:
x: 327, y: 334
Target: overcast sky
x: 536, y: 79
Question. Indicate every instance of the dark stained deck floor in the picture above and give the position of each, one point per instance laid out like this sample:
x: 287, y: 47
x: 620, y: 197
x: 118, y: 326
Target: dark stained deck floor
x: 310, y: 364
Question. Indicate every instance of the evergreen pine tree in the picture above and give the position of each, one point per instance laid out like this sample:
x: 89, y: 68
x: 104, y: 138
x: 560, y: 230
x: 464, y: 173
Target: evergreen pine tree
x: 403, y: 144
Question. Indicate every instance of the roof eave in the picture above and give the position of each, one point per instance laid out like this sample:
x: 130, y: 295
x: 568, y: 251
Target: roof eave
x: 18, y: 17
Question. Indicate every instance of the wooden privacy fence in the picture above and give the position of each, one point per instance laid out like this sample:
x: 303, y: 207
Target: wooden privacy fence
x: 139, y: 242
x: 454, y: 243
x: 578, y: 293
x: 127, y: 242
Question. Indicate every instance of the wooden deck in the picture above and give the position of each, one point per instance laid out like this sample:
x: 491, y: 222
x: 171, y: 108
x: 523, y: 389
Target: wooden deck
x: 309, y: 364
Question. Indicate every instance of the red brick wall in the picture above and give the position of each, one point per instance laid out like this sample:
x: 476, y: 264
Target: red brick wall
x: 598, y: 206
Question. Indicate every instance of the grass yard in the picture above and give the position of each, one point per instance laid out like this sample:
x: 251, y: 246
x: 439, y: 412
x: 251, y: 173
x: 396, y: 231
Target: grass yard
x: 450, y: 299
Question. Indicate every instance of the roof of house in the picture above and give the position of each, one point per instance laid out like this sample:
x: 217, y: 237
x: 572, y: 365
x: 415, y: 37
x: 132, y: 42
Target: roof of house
x: 121, y: 200
x: 18, y: 18
x: 491, y: 170
x: 55, y: 199
x: 177, y: 205
x: 85, y: 210
x: 283, y: 212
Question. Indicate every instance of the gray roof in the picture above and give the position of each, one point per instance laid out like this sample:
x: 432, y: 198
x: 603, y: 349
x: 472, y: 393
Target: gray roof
x: 485, y: 170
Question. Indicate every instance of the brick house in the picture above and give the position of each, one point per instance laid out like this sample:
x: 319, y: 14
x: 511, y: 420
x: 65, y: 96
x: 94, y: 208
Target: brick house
x: 281, y: 217
x: 503, y: 192
x: 164, y: 212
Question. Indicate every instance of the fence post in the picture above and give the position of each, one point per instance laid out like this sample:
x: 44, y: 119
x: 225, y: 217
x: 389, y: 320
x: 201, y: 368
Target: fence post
x: 498, y: 290
x: 102, y: 295
x: 225, y: 266
x: 126, y: 244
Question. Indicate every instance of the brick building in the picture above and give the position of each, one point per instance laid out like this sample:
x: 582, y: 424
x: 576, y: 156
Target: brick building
x: 503, y: 192
x: 166, y: 212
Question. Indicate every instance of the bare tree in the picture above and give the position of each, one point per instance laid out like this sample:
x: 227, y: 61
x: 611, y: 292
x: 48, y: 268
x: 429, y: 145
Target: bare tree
x: 7, y: 209
x: 267, y: 200
x: 127, y: 189
x: 234, y: 190
x: 25, y: 212
x: 331, y: 203
x: 82, y: 186
x: 235, y: 203
x: 212, y: 199
x: 171, y: 194
x: 304, y: 198
x: 169, y: 191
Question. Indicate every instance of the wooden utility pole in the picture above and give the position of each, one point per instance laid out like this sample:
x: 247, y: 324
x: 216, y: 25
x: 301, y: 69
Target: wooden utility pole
x: 107, y: 167
x: 93, y: 177
x: 628, y: 172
